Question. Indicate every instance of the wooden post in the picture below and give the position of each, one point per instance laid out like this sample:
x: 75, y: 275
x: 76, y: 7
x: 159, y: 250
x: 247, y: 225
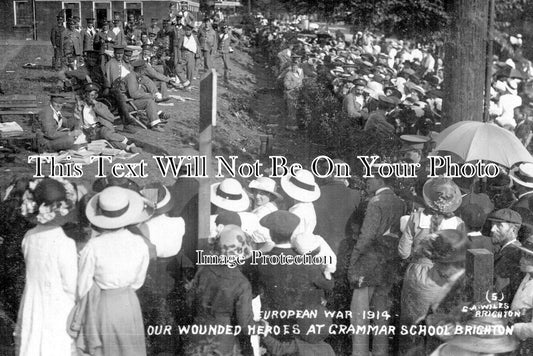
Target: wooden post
x: 480, y: 273
x: 208, y: 116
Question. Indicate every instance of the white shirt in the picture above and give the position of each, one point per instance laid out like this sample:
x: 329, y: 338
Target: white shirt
x: 165, y: 233
x: 190, y: 43
x: 88, y: 116
x: 112, y: 260
x: 306, y: 213
x: 123, y: 71
x: 507, y: 103
x: 58, y: 117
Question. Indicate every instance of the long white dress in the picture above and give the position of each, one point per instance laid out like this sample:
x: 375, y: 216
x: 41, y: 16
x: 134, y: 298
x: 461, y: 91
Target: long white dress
x: 49, y: 293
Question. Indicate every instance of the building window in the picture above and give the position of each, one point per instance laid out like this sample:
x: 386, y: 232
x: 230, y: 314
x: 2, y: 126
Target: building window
x: 136, y: 9
x: 22, y: 12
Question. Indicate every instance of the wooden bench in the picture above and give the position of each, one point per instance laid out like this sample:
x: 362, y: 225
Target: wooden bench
x: 20, y: 105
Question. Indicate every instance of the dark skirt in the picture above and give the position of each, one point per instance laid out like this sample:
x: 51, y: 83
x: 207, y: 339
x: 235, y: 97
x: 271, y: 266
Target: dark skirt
x: 120, y: 323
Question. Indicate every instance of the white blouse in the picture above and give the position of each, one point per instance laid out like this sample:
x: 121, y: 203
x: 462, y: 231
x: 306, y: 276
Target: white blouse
x: 113, y: 260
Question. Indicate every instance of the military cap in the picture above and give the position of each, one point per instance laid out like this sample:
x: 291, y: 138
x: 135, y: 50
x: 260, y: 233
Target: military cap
x: 89, y: 20
x: 118, y: 49
x: 139, y: 63
x: 91, y: 87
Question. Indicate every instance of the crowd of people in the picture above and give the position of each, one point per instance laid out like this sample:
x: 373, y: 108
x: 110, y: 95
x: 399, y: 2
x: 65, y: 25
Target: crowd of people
x: 108, y: 264
x: 126, y: 69
x: 387, y: 84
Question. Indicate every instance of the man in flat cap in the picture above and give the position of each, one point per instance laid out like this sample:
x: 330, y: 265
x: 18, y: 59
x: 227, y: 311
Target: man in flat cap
x: 55, y: 132
x: 56, y: 37
x: 504, y: 232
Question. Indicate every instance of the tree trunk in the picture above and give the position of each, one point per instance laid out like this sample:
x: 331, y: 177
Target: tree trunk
x: 464, y: 61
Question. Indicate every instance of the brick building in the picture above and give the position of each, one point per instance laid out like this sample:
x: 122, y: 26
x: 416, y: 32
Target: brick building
x: 17, y: 17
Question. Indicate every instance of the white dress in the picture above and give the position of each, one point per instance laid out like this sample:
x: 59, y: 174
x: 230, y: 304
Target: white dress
x: 51, y: 272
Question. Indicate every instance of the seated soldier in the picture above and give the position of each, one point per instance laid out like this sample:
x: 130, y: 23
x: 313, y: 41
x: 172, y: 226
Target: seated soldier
x: 91, y: 72
x: 138, y: 89
x: 55, y: 132
x: 96, y: 121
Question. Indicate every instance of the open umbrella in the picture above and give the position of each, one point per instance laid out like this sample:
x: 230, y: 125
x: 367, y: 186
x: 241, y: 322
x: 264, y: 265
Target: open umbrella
x: 474, y: 140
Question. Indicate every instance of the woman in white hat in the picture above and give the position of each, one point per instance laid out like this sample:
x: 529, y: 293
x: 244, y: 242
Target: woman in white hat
x: 113, y: 266
x: 265, y: 196
x: 229, y: 195
x: 303, y: 189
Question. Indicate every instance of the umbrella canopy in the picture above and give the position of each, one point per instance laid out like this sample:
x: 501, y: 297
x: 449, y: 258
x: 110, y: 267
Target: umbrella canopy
x: 474, y: 140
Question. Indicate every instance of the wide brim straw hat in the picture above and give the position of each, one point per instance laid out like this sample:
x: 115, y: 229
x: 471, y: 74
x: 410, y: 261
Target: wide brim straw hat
x: 160, y: 196
x: 523, y: 175
x: 442, y: 195
x: 116, y: 207
x: 229, y: 195
x: 301, y: 186
x: 265, y: 184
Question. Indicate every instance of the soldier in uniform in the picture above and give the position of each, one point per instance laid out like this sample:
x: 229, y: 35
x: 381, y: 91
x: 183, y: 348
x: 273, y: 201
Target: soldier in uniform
x: 153, y: 27
x: 105, y: 38
x: 120, y: 39
x: 72, y: 44
x: 224, y: 46
x: 208, y: 42
x: 89, y: 35
x: 56, y: 37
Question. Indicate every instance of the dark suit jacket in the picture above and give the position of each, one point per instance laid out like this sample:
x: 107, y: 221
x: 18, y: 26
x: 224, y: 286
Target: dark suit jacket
x: 507, y: 265
x: 47, y: 125
x: 523, y: 202
x: 371, y: 248
x: 88, y: 39
x: 333, y: 210
x: 293, y: 287
x: 133, y: 88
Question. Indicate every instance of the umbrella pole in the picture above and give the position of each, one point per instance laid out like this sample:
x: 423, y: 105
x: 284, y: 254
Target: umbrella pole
x: 488, y: 70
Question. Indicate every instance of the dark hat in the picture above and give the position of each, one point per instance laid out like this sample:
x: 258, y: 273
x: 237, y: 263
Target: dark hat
x: 189, y: 27
x: 473, y: 216
x: 150, y: 33
x: 507, y: 216
x: 360, y: 82
x: 91, y: 87
x: 155, y: 19
x: 139, y: 63
x: 394, y: 92
x: 228, y: 218
x: 58, y: 97
x: 449, y: 246
x: 105, y: 23
x: 146, y: 46
x: 281, y: 222
x: 49, y: 191
x: 165, y: 21
x: 129, y: 49
x: 390, y: 100
x: 102, y: 183
x: 89, y: 20
x: 119, y: 49
x: 160, y: 195
x: 116, y: 20
x: 413, y: 142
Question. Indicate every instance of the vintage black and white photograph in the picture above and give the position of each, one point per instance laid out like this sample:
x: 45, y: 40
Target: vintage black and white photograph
x: 266, y: 177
